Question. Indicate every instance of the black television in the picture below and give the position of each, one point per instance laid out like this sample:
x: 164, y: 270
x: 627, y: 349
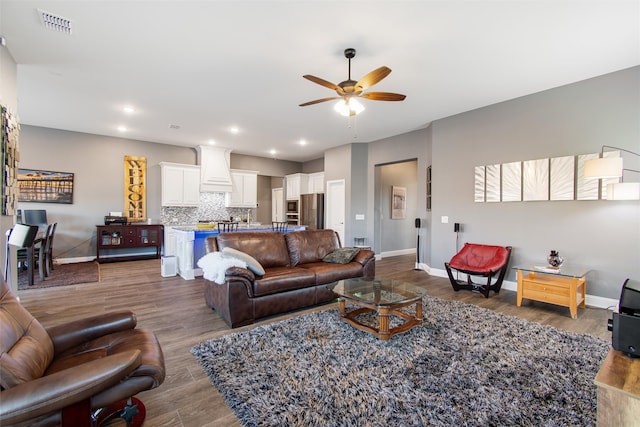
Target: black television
x: 35, y: 217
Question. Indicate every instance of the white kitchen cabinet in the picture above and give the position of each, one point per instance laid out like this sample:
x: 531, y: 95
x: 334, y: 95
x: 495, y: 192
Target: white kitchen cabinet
x: 316, y: 182
x: 180, y: 184
x: 244, y: 189
x: 297, y: 184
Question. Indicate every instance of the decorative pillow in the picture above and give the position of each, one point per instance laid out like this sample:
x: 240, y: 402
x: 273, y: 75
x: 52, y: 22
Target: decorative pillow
x: 252, y: 263
x: 341, y: 256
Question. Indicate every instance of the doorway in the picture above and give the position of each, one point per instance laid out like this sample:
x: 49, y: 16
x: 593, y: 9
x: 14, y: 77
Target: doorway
x: 277, y: 204
x: 398, y: 235
x: 335, y: 206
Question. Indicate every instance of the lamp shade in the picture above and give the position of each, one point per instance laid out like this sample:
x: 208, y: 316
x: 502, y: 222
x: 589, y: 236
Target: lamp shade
x: 606, y: 167
x: 623, y: 191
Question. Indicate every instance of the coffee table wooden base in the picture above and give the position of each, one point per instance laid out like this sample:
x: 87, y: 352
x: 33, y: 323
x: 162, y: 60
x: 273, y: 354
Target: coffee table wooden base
x: 383, y: 331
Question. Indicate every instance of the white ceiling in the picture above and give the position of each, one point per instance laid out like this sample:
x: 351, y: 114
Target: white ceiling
x: 210, y: 65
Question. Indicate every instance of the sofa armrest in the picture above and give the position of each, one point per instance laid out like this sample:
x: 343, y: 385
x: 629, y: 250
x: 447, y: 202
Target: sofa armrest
x: 364, y: 256
x: 234, y: 273
x: 71, y: 334
x: 58, y: 390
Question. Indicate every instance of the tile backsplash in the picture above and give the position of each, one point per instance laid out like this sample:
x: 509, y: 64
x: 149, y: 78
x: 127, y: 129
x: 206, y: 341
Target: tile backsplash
x: 212, y: 208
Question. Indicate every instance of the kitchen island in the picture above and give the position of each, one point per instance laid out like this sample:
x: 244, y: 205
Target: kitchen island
x: 190, y: 247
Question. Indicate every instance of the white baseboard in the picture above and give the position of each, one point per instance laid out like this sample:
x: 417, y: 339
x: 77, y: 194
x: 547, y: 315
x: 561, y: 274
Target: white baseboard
x: 73, y: 260
x: 397, y: 252
x: 591, y: 300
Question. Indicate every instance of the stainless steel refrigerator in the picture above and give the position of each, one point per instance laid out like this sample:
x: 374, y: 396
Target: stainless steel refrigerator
x: 312, y: 210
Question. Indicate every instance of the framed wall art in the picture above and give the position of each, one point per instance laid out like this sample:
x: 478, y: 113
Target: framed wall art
x: 44, y: 186
x: 398, y: 202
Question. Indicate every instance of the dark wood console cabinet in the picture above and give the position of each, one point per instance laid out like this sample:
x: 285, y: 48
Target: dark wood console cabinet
x: 128, y: 242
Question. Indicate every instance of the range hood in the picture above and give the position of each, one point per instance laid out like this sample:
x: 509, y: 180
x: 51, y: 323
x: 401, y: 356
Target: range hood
x: 214, y: 169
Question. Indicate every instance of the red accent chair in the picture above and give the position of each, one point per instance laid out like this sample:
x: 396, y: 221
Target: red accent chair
x: 479, y: 260
x: 73, y: 374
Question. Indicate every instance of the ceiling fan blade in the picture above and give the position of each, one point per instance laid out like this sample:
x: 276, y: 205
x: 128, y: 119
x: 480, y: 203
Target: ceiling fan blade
x: 321, y: 82
x: 372, y: 78
x: 383, y: 96
x: 317, y: 101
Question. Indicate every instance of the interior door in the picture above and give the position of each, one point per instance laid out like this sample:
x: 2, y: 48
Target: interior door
x: 335, y: 208
x: 277, y: 204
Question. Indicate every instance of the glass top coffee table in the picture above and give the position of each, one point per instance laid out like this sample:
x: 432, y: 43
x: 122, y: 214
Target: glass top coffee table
x: 385, y: 297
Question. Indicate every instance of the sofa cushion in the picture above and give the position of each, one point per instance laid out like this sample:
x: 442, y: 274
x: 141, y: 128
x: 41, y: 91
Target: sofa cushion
x: 282, y: 279
x: 252, y: 263
x: 341, y: 255
x: 267, y: 247
x: 328, y: 272
x: 310, y: 245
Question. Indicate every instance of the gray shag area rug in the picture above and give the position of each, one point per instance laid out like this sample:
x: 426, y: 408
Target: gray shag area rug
x: 465, y: 366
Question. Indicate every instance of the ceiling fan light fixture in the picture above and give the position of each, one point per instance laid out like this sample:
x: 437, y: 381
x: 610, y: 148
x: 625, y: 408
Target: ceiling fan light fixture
x: 348, y: 107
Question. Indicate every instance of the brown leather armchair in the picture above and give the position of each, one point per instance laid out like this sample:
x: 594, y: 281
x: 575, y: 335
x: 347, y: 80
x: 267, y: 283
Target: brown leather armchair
x: 76, y: 373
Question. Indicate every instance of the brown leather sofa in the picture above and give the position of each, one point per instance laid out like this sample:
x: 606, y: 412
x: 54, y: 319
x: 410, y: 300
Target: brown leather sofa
x: 295, y: 275
x: 80, y: 373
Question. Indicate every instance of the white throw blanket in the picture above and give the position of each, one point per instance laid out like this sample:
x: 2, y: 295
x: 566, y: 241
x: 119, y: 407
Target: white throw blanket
x: 215, y: 264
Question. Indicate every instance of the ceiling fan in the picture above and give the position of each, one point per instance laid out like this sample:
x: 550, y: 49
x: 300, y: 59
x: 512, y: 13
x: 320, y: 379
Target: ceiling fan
x: 350, y: 89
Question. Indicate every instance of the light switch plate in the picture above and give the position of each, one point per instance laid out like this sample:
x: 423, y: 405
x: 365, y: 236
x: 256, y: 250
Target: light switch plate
x: 444, y: 219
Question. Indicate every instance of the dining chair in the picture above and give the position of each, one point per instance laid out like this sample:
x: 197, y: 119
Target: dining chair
x: 40, y: 253
x: 22, y: 237
x: 279, y: 226
x: 224, y: 227
x: 48, y: 249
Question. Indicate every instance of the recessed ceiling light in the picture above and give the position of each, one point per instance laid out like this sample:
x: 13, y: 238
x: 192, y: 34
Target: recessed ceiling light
x: 234, y: 129
x: 122, y: 128
x: 211, y: 142
x: 272, y: 152
x: 128, y: 109
x: 302, y: 142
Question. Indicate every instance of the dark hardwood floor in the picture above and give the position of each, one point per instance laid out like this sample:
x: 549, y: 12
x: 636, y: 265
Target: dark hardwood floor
x: 175, y: 310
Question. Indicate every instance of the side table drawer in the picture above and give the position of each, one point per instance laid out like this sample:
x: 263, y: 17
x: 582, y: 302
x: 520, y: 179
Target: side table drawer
x: 546, y: 297
x: 546, y: 288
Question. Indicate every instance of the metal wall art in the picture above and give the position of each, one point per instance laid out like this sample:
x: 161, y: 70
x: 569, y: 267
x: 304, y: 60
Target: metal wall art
x: 558, y: 178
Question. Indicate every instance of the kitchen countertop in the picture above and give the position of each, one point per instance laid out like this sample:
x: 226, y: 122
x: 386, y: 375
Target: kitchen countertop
x: 203, y: 227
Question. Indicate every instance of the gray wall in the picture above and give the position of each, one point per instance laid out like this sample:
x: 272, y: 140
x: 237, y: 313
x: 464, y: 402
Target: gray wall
x: 265, y: 166
x: 358, y: 201
x: 312, y: 166
x: 570, y: 120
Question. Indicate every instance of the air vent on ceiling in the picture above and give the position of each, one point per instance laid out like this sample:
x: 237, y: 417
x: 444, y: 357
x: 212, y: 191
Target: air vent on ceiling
x: 55, y: 22
x: 174, y: 127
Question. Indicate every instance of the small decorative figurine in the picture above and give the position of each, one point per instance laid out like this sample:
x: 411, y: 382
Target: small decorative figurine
x: 554, y: 259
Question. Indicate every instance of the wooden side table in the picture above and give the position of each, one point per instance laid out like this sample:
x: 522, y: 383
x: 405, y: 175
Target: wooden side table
x: 618, y: 382
x: 567, y: 287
